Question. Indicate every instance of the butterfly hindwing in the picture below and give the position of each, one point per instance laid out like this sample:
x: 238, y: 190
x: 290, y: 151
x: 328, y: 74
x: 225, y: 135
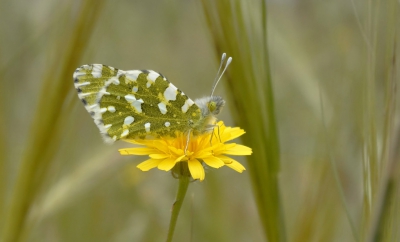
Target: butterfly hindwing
x: 134, y: 104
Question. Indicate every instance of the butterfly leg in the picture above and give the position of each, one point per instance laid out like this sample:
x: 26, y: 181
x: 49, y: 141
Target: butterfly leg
x: 187, y: 141
x: 212, y: 135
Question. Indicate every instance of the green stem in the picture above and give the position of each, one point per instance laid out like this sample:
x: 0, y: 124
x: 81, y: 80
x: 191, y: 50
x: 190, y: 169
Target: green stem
x: 184, y: 179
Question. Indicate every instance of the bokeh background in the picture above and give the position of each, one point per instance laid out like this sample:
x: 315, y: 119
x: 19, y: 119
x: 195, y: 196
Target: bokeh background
x: 331, y: 68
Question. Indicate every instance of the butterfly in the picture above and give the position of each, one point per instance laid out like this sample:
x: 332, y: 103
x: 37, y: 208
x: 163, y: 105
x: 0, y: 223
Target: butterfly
x: 143, y: 104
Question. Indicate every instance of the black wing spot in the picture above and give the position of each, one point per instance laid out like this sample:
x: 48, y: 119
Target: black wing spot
x: 161, y: 75
x: 84, y: 101
x: 145, y: 71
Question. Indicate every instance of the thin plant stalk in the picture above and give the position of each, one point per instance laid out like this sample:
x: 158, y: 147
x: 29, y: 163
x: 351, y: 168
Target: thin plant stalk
x: 239, y: 29
x: 184, y: 180
x: 36, y: 157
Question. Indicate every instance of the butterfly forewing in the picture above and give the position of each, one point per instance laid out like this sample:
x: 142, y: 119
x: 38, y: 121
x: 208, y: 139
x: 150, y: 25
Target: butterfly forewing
x: 134, y: 104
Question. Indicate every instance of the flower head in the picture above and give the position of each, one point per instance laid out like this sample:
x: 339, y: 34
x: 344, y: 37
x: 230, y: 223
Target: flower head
x: 206, y: 149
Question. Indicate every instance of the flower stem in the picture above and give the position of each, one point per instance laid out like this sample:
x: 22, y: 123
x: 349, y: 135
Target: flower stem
x: 184, y: 179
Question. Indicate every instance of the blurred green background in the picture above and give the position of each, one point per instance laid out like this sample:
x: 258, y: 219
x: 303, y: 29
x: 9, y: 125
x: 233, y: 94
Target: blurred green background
x: 334, y: 71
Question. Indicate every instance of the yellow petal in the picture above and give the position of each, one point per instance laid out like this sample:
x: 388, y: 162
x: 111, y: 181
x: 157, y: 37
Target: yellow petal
x: 159, y: 156
x: 229, y: 146
x: 160, y: 145
x: 167, y: 164
x: 235, y: 132
x: 227, y: 133
x: 132, y: 141
x: 225, y: 159
x: 148, y: 164
x: 236, y: 166
x: 175, y: 151
x: 232, y: 163
x: 238, y: 150
x: 179, y: 158
x: 137, y: 151
x: 213, y: 162
x: 201, y: 154
x: 196, y: 169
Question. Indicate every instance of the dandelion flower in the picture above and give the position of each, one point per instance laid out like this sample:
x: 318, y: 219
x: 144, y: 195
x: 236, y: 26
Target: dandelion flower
x: 201, y: 150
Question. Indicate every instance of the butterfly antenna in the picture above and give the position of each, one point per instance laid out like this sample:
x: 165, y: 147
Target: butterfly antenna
x: 219, y: 76
x: 219, y: 69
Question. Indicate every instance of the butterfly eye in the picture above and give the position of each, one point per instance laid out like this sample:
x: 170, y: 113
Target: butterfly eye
x: 212, y: 106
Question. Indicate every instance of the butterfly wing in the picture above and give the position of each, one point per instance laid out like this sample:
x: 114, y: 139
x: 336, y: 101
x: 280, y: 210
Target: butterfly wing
x: 134, y: 104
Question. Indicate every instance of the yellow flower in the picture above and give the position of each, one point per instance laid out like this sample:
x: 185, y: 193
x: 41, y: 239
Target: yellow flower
x: 166, y: 153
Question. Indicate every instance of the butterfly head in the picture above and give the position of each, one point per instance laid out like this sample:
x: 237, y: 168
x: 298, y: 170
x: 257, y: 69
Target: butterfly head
x: 210, y: 106
x: 215, y: 104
